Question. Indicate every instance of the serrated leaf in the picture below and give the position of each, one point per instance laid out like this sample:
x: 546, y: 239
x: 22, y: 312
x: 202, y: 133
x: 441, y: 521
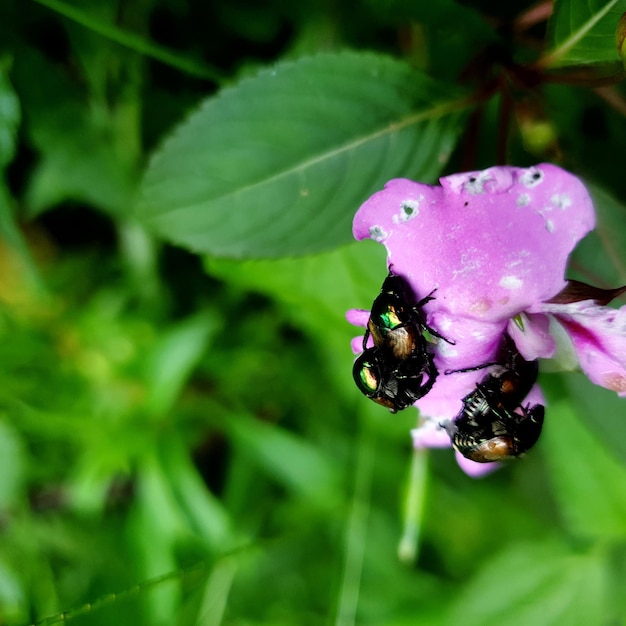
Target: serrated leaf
x: 317, y: 288
x: 278, y: 164
x: 583, y: 32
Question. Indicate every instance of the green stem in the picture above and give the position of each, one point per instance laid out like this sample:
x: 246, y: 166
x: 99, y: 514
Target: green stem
x: 356, y: 531
x: 414, y: 501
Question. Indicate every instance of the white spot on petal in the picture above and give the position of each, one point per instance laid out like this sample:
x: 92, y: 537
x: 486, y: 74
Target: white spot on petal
x: 523, y: 199
x: 476, y: 182
x: 531, y: 177
x: 478, y: 335
x: 561, y: 201
x: 550, y: 226
x: 409, y: 209
x: 445, y: 324
x: 377, y: 233
x: 511, y: 282
x: 446, y: 350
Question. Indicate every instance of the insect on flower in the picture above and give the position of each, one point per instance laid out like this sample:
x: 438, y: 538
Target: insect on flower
x: 400, y: 368
x: 493, y: 425
x: 495, y: 245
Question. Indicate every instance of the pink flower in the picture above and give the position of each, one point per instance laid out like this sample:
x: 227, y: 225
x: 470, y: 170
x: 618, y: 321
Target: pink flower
x: 494, y: 245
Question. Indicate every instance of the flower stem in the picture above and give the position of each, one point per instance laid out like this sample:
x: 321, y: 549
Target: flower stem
x: 414, y: 500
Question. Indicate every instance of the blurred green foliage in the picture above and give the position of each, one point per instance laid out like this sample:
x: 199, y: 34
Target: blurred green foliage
x: 181, y: 441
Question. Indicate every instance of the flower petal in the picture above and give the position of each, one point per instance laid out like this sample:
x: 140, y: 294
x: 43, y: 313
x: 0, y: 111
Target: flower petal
x: 598, y: 335
x: 430, y: 435
x: 534, y: 341
x: 475, y: 345
x: 473, y: 469
x: 492, y: 242
x: 358, y: 317
x: 357, y: 345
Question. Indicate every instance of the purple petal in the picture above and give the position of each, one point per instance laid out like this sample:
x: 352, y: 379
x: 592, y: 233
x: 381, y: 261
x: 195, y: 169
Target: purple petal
x: 535, y: 340
x: 358, y: 317
x: 476, y: 343
x: 430, y: 435
x: 598, y: 335
x: 473, y: 469
x: 357, y: 345
x: 493, y: 242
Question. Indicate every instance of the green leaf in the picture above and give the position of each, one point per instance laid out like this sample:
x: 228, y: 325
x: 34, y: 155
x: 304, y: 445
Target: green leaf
x: 79, y: 158
x: 12, y: 467
x: 278, y: 164
x: 542, y: 584
x: 317, y: 288
x: 611, y: 228
x: 12, y: 593
x: 204, y: 513
x: 171, y: 362
x: 132, y: 41
x: 156, y: 525
x: 601, y: 252
x: 601, y: 409
x: 583, y: 32
x: 316, y: 292
x: 11, y: 234
x: 10, y: 117
x: 589, y: 482
x: 289, y: 459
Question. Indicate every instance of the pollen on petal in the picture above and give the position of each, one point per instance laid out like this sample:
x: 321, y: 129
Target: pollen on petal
x: 615, y: 382
x: 480, y: 308
x: 523, y: 199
